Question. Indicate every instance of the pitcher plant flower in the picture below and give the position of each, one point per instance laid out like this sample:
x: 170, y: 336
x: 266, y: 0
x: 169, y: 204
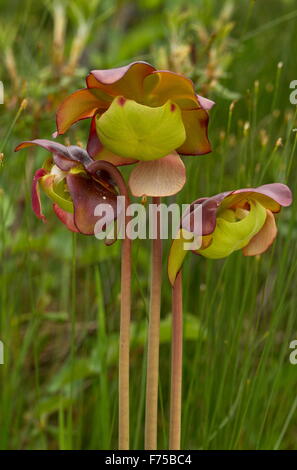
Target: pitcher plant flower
x: 235, y: 220
x: 74, y: 190
x: 145, y: 116
x: 227, y: 222
x: 77, y: 184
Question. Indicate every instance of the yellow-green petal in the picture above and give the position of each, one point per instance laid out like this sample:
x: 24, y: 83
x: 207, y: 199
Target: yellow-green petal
x: 177, y: 254
x: 231, y: 236
x: 133, y: 130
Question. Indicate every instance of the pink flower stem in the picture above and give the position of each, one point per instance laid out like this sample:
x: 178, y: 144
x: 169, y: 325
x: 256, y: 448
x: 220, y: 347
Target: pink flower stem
x: 176, y: 365
x: 151, y: 412
x: 124, y: 353
x: 124, y: 347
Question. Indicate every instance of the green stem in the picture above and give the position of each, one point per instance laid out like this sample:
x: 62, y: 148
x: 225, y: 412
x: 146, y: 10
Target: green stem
x: 151, y: 414
x: 176, y: 364
x: 124, y: 348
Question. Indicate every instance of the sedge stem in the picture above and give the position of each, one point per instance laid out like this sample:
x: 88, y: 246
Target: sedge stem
x: 176, y: 364
x: 151, y: 412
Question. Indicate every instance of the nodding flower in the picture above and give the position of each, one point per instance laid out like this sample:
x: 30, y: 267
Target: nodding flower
x: 145, y: 116
x: 68, y: 179
x: 235, y: 220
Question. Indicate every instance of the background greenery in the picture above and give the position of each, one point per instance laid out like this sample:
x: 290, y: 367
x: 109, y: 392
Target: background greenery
x: 59, y: 293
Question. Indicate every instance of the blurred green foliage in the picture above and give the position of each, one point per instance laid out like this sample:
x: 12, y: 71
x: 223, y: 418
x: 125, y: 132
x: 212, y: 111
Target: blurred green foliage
x: 60, y: 294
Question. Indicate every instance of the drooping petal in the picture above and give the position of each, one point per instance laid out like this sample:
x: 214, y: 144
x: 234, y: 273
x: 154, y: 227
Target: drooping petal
x: 132, y: 130
x: 51, y: 146
x: 64, y: 157
x: 163, y: 85
x: 196, y: 124
x: 263, y: 239
x: 86, y: 194
x: 232, y: 236
x: 272, y: 196
x: 126, y: 81
x: 279, y: 192
x: 162, y: 177
x: 66, y: 218
x: 207, y: 208
x: 35, y: 194
x: 81, y: 104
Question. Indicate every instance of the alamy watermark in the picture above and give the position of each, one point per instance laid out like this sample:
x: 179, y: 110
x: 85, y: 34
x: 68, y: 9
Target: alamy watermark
x: 1, y: 353
x: 143, y: 222
x: 293, y: 94
x: 293, y: 354
x: 1, y: 93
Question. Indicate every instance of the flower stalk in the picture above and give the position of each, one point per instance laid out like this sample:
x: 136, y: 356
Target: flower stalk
x: 151, y: 412
x: 124, y: 359
x: 124, y: 348
x: 176, y: 364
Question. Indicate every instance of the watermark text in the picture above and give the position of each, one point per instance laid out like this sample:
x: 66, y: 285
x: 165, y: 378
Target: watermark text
x: 146, y: 222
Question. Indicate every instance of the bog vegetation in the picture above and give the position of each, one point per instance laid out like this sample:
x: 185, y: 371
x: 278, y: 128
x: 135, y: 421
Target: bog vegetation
x: 59, y: 291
